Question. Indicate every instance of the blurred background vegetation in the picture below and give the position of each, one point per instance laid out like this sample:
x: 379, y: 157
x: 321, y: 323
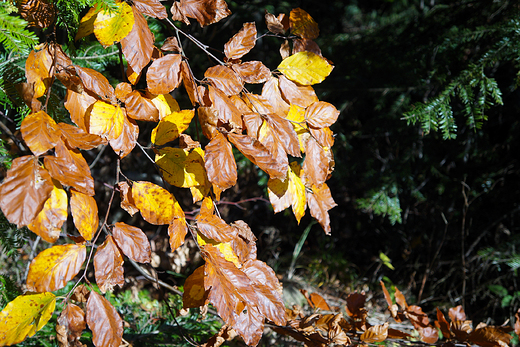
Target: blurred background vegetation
x: 427, y: 166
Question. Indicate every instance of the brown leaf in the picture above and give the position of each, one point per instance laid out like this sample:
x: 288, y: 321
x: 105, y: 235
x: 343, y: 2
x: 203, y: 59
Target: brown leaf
x: 37, y: 70
x: 84, y: 213
x: 171, y: 44
x: 104, y: 321
x: 212, y: 226
x: 152, y: 8
x: 127, y: 202
x: 163, y: 76
x: 356, y: 305
x: 220, y: 163
x: 72, y: 318
x: 26, y: 91
x: 122, y: 90
x: 400, y: 299
x: 286, y: 134
x: 96, y: 83
x: 108, y: 265
x: 189, y: 84
x: 324, y: 136
x: 285, y: 50
x: 133, y: 242
x: 125, y: 143
x: 303, y: 25
x: 70, y: 168
x: 24, y: 190
x: 297, y: 94
x: 78, y: 105
x: 321, y: 114
x: 443, y: 325
x: 257, y: 104
x: 320, y: 202
x: 48, y: 222
x: 318, y: 302
x: 274, y: 24
x: 177, y: 231
x: 70, y: 81
x: 417, y: 317
x: 271, y: 91
x: 226, y: 110
x: 490, y: 336
x: 253, y: 122
x: 38, y: 13
x: 269, y: 137
x: 75, y: 137
x: 208, y: 119
x: 137, y: 46
x: 54, y: 267
x: 156, y: 204
x: 252, y: 71
x: 226, y: 333
x: 205, y: 12
x: 258, y: 154
x: 242, y: 42
x: 315, y: 164
x: 40, y: 132
x: 517, y: 322
x: 194, y: 293
x: 461, y: 329
x: 301, y: 45
x: 244, y: 246
x: 225, y: 79
x: 457, y: 313
x: 428, y: 334
x: 377, y: 333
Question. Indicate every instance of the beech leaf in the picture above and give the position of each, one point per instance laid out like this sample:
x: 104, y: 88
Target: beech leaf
x: 157, y: 205
x: 104, y: 321
x: 242, y: 42
x: 132, y: 241
x: 171, y: 126
x: 37, y: 67
x: 48, y: 222
x: 126, y: 141
x: 96, y: 83
x: 182, y: 167
x: 40, y: 132
x: 305, y: 68
x: 106, y: 120
x: 376, y: 333
x: 225, y: 79
x: 152, y: 8
x: 112, y: 26
x: 194, y: 293
x: 303, y: 25
x: 290, y: 192
x: 320, y: 202
x: 163, y: 76
x: 137, y: 46
x: 212, y: 226
x: 24, y: 316
x: 24, y: 190
x: 108, y: 265
x: 321, y: 114
x: 205, y: 12
x: 84, y: 212
x: 220, y: 163
x: 72, y: 322
x: 54, y: 267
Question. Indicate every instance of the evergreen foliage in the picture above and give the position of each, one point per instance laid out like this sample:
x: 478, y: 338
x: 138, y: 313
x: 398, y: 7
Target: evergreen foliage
x: 14, y: 35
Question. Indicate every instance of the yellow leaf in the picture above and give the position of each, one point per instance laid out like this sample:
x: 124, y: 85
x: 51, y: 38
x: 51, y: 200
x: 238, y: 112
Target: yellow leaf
x: 156, y: 204
x: 305, y: 68
x: 84, y: 212
x: 181, y: 167
x: 86, y: 25
x: 296, y: 116
x: 54, y: 267
x: 50, y: 219
x: 24, y: 316
x: 282, y: 194
x: 171, y: 126
x: 112, y: 27
x: 224, y: 248
x: 165, y: 103
x: 106, y: 120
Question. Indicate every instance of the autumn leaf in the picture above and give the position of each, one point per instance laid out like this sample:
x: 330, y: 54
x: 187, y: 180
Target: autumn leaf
x: 40, y: 132
x: 242, y: 42
x: 137, y: 46
x: 271, y: 91
x: 220, y: 163
x: 303, y: 25
x: 54, y: 267
x: 71, y: 324
x: 320, y: 202
x: 181, y: 167
x: 171, y: 126
x: 70, y: 168
x: 126, y: 141
x: 177, y: 231
x: 290, y: 192
x: 76, y: 137
x: 152, y: 8
x: 140, y: 107
x: 227, y: 112
x: 24, y: 316
x: 132, y: 241
x: 165, y: 104
x: 106, y: 120
x: 163, y: 76
x: 48, y: 222
x: 376, y: 333
x: 104, y: 321
x: 77, y: 104
x: 96, y: 83
x: 108, y: 265
x: 127, y: 202
x: 321, y: 114
x: 37, y: 70
x: 316, y: 163
x: 24, y: 190
x: 211, y: 225
x: 305, y: 68
x: 156, y: 204
x: 252, y: 71
x: 296, y: 94
x: 194, y: 293
x: 225, y: 79
x: 84, y: 212
x: 205, y: 12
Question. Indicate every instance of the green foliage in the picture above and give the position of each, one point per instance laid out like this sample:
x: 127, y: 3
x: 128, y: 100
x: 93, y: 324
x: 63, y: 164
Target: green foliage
x: 11, y: 238
x: 14, y: 35
x: 383, y: 202
x: 11, y: 74
x: 8, y: 290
